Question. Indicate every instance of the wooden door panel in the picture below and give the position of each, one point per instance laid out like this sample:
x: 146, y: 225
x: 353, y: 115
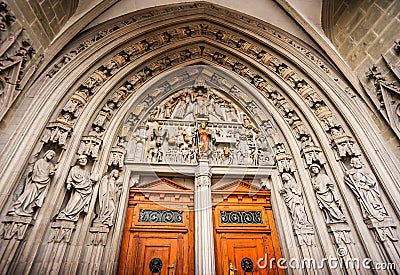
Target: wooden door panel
x: 243, y: 251
x: 150, y: 251
x: 169, y: 238
x: 244, y: 230
x: 239, y: 246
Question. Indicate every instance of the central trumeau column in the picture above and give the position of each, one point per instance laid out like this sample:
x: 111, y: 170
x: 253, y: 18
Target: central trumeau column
x: 204, y: 239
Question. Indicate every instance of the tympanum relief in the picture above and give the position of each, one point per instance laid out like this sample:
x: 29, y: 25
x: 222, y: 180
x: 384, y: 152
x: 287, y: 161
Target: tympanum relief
x: 200, y: 122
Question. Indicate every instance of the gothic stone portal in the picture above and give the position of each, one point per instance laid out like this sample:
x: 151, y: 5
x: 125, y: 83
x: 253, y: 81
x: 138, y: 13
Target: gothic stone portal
x: 188, y: 135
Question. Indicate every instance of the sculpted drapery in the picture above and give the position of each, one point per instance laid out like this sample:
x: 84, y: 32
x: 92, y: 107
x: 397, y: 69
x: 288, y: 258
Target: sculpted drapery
x: 36, y: 187
x: 79, y: 182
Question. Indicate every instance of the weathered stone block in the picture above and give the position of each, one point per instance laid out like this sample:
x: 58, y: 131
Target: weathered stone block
x: 26, y: 10
x: 373, y: 14
x: 40, y: 33
x: 48, y: 11
x: 384, y: 4
x: 60, y: 12
x: 356, y: 20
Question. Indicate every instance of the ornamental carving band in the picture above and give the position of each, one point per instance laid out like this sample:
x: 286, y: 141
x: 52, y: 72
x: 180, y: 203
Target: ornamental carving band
x: 160, y: 216
x: 241, y: 217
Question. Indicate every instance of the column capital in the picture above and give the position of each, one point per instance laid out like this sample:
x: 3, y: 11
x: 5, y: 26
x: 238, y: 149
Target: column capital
x: 203, y: 169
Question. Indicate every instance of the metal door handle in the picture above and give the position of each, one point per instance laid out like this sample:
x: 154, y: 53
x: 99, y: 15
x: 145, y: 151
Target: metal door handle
x: 232, y: 269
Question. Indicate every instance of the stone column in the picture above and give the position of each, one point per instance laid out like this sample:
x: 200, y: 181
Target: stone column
x: 204, y: 238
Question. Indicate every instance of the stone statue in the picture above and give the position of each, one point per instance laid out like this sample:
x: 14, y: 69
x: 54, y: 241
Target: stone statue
x: 200, y: 108
x: 109, y: 191
x: 79, y: 181
x: 327, y: 197
x: 180, y: 109
x: 291, y: 193
x: 364, y: 185
x: 36, y: 187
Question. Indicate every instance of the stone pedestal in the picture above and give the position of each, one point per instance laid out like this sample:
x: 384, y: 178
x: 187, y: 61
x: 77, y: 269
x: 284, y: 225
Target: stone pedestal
x: 12, y: 236
x: 204, y: 239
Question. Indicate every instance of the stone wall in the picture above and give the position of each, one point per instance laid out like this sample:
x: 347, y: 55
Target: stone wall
x: 363, y: 30
x: 44, y: 18
x: 366, y: 33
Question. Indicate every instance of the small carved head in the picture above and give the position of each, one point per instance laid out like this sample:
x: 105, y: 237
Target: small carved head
x: 356, y: 163
x: 49, y: 154
x: 114, y: 173
x: 82, y: 160
x: 315, y: 168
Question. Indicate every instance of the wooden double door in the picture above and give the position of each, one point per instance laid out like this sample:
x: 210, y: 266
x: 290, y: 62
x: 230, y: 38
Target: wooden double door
x: 159, y: 230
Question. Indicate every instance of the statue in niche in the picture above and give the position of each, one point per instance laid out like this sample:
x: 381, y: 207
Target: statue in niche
x: 291, y: 118
x: 109, y: 190
x: 96, y: 131
x: 158, y: 155
x: 109, y: 107
x: 291, y: 193
x: 306, y: 141
x: 205, y: 139
x: 280, y: 148
x: 179, y: 136
x: 140, y: 140
x: 181, y: 106
x: 36, y: 187
x: 215, y: 109
x: 300, y: 130
x: 246, y: 122
x: 200, y: 104
x: 364, y: 185
x: 242, y: 147
x: 90, y: 84
x: 231, y: 115
x: 159, y: 135
x: 330, y: 122
x: 313, y: 99
x: 72, y: 107
x: 328, y: 200
x: 168, y: 108
x: 79, y: 182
